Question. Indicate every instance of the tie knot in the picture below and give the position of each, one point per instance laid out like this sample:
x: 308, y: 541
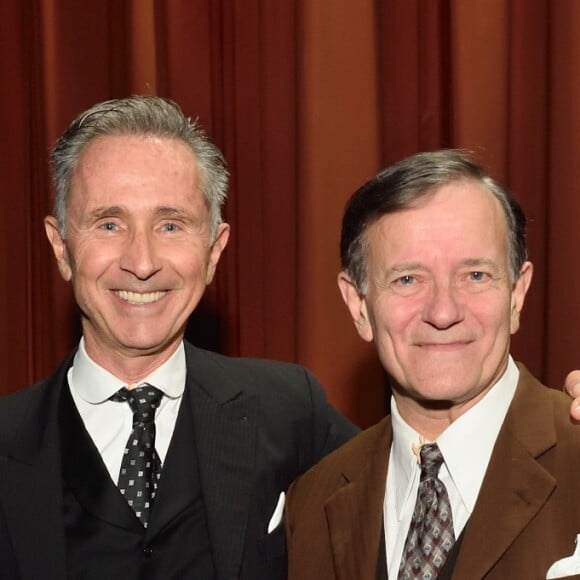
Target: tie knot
x: 431, y: 460
x: 142, y: 400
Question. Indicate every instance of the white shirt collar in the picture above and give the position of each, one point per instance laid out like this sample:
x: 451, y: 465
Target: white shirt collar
x: 95, y: 384
x: 403, y: 462
x: 466, y: 444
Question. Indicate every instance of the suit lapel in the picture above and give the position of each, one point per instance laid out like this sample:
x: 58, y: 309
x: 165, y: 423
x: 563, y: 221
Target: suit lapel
x: 30, y: 479
x: 355, y: 511
x: 226, y: 425
x: 515, y: 486
x: 177, y: 487
x: 85, y: 473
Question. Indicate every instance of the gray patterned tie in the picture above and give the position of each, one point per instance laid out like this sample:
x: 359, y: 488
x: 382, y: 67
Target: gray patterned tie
x: 141, y: 467
x: 430, y: 537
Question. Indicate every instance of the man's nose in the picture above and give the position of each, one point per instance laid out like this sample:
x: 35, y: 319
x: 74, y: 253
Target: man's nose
x: 444, y: 307
x: 140, y: 256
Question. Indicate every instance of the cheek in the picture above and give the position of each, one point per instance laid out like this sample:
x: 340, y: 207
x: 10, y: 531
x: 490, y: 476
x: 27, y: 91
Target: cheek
x: 90, y: 261
x: 93, y: 264
x: 494, y: 317
x: 191, y: 266
x: 392, y: 321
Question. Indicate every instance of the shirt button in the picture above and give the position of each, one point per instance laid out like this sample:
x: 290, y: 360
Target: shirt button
x: 147, y: 551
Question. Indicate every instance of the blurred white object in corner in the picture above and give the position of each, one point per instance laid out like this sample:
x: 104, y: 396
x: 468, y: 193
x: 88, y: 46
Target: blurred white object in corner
x: 567, y: 566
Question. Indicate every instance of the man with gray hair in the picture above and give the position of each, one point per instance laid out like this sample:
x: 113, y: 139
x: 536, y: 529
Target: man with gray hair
x: 143, y: 456
x: 475, y: 472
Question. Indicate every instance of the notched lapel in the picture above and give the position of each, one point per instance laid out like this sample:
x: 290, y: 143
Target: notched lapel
x: 225, y: 433
x: 176, y: 492
x: 355, y: 516
x: 515, y: 487
x: 85, y: 473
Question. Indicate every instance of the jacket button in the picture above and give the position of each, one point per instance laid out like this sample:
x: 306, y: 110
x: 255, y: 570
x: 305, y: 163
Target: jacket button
x: 147, y: 551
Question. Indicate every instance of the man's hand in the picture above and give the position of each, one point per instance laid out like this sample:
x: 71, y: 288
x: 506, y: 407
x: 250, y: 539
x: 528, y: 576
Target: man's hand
x: 572, y: 386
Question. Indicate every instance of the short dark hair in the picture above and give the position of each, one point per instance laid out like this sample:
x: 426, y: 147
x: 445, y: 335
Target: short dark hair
x: 400, y: 185
x: 139, y: 115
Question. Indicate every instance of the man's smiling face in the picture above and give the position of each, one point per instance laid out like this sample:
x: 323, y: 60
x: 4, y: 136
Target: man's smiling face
x: 138, y: 249
x: 441, y: 304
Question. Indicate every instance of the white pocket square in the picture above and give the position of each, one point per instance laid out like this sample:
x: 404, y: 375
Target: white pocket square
x: 278, y: 513
x: 566, y: 566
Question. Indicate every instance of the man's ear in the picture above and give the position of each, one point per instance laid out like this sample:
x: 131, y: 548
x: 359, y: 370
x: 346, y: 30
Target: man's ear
x: 356, y: 303
x: 218, y: 246
x: 519, y: 292
x: 58, y: 247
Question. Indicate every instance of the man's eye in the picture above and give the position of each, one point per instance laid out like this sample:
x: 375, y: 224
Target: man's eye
x: 405, y: 280
x: 170, y: 227
x: 477, y: 276
x: 108, y: 226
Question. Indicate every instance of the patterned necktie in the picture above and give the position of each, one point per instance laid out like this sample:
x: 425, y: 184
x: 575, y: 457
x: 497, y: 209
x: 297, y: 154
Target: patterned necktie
x: 141, y: 467
x: 430, y: 537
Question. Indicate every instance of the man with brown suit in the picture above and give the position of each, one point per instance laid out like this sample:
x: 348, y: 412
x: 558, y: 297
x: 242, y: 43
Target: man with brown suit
x: 475, y: 473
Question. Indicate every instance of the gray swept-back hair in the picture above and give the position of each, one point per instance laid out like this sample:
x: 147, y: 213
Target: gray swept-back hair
x: 400, y: 185
x: 139, y: 115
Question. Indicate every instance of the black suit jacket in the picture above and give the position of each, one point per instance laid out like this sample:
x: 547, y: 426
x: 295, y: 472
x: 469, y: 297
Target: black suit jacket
x: 258, y: 425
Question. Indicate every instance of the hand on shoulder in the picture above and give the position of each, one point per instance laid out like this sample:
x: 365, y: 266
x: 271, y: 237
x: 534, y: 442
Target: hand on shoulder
x: 572, y: 387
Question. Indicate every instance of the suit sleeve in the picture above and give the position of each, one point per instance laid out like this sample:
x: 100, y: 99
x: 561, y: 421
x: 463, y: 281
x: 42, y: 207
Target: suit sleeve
x: 330, y: 429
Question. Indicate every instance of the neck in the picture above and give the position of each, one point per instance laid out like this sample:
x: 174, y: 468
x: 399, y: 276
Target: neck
x: 130, y: 367
x: 428, y: 423
x: 431, y: 418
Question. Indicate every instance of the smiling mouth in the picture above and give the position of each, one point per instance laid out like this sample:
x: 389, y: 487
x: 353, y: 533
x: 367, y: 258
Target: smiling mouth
x: 139, y: 298
x: 444, y: 346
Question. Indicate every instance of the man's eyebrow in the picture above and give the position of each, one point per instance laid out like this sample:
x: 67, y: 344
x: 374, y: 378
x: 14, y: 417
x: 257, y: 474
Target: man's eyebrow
x: 406, y: 266
x: 117, y: 210
x: 475, y: 262
x: 182, y: 214
x: 106, y: 211
x: 173, y: 212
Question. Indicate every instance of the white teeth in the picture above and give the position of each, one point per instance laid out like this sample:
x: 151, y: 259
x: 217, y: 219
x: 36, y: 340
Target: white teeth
x: 137, y: 298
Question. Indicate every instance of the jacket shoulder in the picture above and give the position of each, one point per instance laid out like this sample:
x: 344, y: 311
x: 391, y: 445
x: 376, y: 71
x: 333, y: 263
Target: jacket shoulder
x: 277, y: 381
x: 337, y: 468
x: 23, y: 413
x: 29, y: 408
x: 245, y: 365
x: 534, y: 402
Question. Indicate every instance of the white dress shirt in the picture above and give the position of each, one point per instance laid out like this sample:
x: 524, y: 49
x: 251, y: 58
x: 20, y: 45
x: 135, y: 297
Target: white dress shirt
x: 466, y: 446
x: 110, y: 423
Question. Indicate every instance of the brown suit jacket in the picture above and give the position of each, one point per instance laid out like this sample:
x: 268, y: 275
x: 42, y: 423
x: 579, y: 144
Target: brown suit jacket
x: 526, y: 517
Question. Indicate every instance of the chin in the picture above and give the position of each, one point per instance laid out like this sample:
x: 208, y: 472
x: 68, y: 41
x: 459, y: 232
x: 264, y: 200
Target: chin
x: 146, y: 345
x: 441, y: 394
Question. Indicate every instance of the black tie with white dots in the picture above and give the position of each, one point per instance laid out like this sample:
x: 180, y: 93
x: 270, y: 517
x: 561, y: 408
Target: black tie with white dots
x: 141, y: 467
